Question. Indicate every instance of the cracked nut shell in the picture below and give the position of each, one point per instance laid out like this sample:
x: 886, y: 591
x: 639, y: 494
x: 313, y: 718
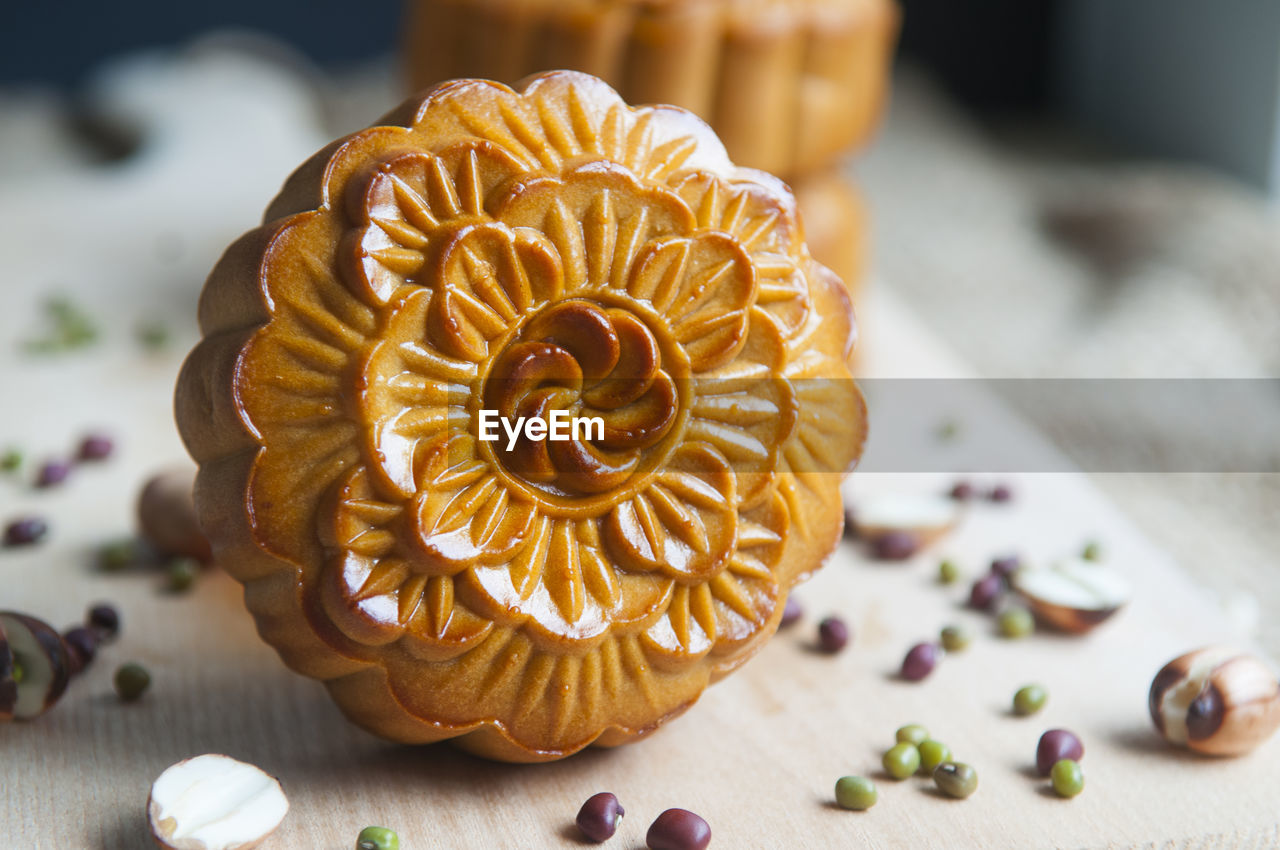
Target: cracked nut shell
x: 1074, y: 595
x: 35, y: 666
x: 922, y: 518
x: 1216, y: 701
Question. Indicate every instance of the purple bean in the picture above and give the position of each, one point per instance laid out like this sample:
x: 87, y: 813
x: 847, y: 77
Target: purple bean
x: 920, y: 661
x: 25, y: 531
x: 52, y: 473
x: 1056, y: 745
x: 1006, y: 566
x: 986, y: 592
x: 833, y: 634
x: 895, y: 546
x: 599, y: 816
x: 104, y: 619
x: 95, y: 447
x: 82, y: 646
x: 678, y: 829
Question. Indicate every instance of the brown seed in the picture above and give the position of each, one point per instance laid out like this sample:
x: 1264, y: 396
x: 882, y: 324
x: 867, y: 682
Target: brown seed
x: 678, y: 829
x: 599, y: 817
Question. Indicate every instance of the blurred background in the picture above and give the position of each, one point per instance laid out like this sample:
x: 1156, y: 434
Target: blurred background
x: 1058, y: 188
x: 1197, y: 80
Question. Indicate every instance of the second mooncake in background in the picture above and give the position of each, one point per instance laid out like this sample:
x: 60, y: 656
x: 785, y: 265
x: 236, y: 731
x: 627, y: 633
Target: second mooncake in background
x: 789, y: 85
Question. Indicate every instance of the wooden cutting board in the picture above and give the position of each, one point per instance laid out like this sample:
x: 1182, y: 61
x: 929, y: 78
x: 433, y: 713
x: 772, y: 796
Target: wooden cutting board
x: 757, y: 757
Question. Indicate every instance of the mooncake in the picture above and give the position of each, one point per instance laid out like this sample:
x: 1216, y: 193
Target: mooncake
x: 529, y: 254
x: 789, y: 85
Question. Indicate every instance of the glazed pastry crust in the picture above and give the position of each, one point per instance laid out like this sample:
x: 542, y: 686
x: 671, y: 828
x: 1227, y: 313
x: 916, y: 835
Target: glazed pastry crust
x: 524, y: 604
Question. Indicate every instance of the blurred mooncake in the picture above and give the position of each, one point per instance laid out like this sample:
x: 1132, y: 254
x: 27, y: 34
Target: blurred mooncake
x: 789, y: 85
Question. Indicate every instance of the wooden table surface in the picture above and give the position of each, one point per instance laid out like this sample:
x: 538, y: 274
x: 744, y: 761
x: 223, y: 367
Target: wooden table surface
x: 757, y: 757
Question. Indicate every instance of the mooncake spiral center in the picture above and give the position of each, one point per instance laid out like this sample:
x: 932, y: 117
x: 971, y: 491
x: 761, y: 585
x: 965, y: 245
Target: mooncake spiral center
x: 596, y: 374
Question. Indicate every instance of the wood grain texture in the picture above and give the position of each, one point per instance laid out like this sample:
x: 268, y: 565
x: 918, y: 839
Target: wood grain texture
x: 757, y: 757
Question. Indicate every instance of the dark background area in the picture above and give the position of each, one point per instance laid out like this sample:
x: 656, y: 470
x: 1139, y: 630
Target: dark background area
x: 1191, y: 80
x: 993, y: 55
x: 61, y: 42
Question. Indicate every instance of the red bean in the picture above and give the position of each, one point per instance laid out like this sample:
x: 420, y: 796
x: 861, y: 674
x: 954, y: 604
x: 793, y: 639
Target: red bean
x: 895, y: 546
x: 104, y: 619
x: 920, y: 661
x: 599, y: 816
x: 82, y: 646
x: 1056, y: 745
x: 678, y: 829
x: 95, y: 447
x: 52, y: 473
x: 833, y: 634
x: 25, y: 531
x: 1006, y: 566
x: 986, y: 592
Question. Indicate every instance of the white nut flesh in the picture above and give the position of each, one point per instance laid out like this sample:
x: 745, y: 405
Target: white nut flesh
x: 1075, y: 583
x: 213, y: 802
x: 924, y: 515
x: 37, y: 650
x: 1072, y: 595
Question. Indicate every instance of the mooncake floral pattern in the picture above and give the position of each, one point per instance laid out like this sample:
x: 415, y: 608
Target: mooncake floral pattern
x: 527, y: 252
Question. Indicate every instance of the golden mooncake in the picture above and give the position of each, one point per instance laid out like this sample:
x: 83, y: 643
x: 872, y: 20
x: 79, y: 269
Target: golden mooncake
x: 522, y: 254
x: 789, y: 85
